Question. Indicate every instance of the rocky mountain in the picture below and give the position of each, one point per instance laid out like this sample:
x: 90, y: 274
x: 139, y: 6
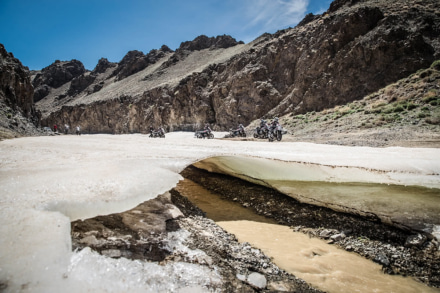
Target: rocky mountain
x: 17, y: 109
x: 352, y: 50
x: 405, y: 113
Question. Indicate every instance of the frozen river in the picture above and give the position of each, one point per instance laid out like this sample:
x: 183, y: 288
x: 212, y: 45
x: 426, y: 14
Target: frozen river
x: 47, y: 182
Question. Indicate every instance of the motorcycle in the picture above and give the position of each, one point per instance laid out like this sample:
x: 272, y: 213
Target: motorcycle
x: 237, y: 132
x: 207, y: 133
x: 275, y: 133
x: 158, y: 133
x: 262, y: 132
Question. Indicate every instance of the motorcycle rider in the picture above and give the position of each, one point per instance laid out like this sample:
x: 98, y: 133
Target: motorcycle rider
x: 207, y: 128
x: 161, y: 131
x: 274, y: 128
x: 274, y: 123
x: 239, y: 131
x: 262, y: 125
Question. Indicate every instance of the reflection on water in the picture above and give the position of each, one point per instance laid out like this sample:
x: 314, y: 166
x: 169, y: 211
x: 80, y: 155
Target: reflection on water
x: 318, y: 263
x: 410, y: 205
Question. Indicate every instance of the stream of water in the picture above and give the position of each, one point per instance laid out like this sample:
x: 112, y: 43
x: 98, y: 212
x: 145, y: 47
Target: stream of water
x: 322, y: 265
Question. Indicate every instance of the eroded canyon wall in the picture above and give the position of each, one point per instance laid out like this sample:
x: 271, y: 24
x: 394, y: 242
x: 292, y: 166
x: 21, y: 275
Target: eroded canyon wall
x: 17, y: 109
x: 352, y: 50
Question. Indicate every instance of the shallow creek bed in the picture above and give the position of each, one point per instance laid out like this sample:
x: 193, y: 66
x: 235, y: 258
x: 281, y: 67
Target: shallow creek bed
x: 119, y: 235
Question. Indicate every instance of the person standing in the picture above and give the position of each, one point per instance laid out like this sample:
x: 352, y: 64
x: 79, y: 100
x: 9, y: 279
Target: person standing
x: 78, y: 130
x: 66, y: 128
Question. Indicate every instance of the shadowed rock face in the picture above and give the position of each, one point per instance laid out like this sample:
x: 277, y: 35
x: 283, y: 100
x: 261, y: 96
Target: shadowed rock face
x: 58, y: 73
x: 18, y: 114
x: 15, y: 86
x: 352, y: 50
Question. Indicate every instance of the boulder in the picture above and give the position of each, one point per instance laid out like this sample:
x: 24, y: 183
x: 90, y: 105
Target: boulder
x: 325, y: 233
x: 416, y: 240
x: 257, y: 280
x: 382, y: 259
x: 338, y: 237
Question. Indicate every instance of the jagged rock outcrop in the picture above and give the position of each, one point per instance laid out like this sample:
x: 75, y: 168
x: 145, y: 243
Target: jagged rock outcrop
x: 337, y: 4
x: 103, y: 65
x: 135, y: 61
x: 356, y: 48
x: 58, y: 73
x: 17, y: 110
x: 15, y: 87
x: 55, y: 75
x: 200, y: 43
x: 204, y: 42
x: 80, y: 83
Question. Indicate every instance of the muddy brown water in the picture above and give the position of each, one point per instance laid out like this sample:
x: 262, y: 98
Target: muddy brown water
x: 322, y: 265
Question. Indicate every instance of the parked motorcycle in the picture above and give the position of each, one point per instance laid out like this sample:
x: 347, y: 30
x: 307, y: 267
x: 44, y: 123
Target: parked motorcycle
x: 262, y: 131
x: 157, y: 133
x: 276, y: 133
x: 207, y: 133
x: 237, y: 132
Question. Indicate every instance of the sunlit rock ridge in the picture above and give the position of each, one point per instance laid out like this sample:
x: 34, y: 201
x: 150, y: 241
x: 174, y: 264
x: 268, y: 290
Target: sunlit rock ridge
x: 348, y: 52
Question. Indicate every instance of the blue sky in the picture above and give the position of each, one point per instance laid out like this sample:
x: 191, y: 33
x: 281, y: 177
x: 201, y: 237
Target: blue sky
x: 38, y: 32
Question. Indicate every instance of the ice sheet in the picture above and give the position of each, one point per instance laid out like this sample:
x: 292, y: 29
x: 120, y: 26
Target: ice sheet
x: 46, y: 182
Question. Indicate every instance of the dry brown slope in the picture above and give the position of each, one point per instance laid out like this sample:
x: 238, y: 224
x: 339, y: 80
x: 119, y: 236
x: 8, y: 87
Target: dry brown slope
x: 405, y: 113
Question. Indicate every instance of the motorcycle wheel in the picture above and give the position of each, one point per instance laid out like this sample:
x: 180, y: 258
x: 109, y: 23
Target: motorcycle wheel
x: 270, y: 137
x: 255, y: 135
x: 279, y: 135
x: 211, y: 135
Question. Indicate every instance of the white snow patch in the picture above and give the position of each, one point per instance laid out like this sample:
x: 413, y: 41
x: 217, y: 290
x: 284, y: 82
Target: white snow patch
x: 46, y: 182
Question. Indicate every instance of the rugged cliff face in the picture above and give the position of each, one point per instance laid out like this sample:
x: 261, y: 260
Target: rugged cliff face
x: 17, y: 109
x: 352, y: 50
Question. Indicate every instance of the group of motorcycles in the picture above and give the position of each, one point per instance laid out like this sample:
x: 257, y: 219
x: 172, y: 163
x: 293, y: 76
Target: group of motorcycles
x: 271, y: 131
